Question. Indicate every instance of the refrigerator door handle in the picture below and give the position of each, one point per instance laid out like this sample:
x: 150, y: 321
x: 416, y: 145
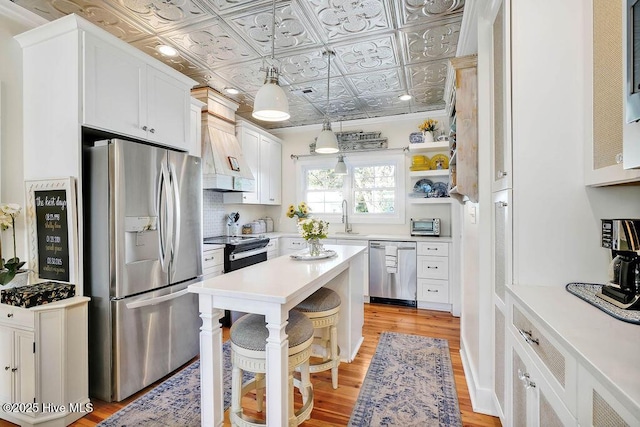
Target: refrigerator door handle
x: 166, y: 217
x: 176, y: 209
x: 157, y: 300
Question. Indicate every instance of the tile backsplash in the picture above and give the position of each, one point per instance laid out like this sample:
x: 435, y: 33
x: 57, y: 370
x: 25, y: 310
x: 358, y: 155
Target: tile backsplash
x: 214, y: 214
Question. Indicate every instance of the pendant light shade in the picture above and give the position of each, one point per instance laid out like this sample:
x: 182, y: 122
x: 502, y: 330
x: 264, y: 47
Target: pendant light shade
x: 341, y: 167
x: 327, y: 142
x: 271, y: 102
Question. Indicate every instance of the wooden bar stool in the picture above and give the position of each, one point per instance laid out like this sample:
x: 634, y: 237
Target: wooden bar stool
x: 248, y: 353
x: 323, y: 309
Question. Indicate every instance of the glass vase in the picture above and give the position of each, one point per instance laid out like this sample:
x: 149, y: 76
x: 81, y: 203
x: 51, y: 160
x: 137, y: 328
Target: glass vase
x: 315, y: 247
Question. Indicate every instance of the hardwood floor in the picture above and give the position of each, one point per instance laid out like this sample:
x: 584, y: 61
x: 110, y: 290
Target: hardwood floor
x: 333, y: 407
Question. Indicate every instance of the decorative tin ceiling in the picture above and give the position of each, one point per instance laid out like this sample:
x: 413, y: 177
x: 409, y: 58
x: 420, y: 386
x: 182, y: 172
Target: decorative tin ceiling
x: 383, y: 48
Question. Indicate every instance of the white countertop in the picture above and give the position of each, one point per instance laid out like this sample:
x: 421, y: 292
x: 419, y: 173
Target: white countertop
x: 277, y: 280
x: 352, y: 236
x: 608, y: 347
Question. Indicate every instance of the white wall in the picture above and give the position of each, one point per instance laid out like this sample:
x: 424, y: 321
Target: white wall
x: 396, y: 130
x: 556, y: 218
x: 12, y: 21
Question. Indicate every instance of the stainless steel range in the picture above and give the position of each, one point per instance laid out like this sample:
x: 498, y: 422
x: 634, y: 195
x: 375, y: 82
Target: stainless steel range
x: 239, y: 252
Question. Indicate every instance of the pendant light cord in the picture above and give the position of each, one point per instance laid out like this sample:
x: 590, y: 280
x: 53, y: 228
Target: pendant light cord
x: 328, y: 80
x: 273, y: 33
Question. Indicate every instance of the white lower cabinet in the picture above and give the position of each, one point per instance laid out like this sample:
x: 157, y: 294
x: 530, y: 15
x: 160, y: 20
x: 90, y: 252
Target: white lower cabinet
x: 44, y: 363
x: 597, y: 406
x: 533, y: 402
x: 212, y: 263
x: 272, y: 248
x: 365, y: 243
x: 432, y: 267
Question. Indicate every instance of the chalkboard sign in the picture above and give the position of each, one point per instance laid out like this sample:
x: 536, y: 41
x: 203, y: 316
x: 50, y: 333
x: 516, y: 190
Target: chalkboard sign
x: 53, y: 234
x: 52, y: 230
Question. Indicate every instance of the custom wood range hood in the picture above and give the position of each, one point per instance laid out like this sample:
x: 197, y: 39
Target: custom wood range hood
x: 223, y: 165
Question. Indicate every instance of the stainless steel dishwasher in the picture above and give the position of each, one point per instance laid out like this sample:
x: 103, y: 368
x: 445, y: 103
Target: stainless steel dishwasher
x: 392, y: 272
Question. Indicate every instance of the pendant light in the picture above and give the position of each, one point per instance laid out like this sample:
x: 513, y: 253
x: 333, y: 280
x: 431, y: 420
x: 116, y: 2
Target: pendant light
x: 341, y: 167
x: 327, y: 143
x: 271, y: 104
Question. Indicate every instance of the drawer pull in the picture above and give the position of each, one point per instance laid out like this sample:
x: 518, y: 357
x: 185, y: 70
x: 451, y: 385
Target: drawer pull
x: 526, y: 379
x: 528, y: 337
x: 432, y: 290
x: 209, y: 259
x: 432, y: 249
x: 10, y: 315
x: 436, y: 267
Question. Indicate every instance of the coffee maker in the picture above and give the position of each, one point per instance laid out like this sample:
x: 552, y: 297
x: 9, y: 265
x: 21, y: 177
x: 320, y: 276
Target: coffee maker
x: 621, y: 236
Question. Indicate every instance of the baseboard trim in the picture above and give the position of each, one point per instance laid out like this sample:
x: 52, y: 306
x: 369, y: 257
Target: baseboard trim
x: 482, y: 400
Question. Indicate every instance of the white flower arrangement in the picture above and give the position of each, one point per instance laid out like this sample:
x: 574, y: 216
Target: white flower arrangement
x: 313, y: 228
x: 10, y: 267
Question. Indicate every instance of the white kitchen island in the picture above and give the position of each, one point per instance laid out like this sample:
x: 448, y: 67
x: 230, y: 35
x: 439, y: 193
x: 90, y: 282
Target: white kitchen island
x: 272, y: 288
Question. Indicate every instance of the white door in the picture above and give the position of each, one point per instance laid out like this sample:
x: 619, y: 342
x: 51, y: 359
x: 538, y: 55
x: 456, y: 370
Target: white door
x: 6, y: 364
x: 168, y: 104
x: 250, y: 141
x: 114, y: 95
x: 25, y: 363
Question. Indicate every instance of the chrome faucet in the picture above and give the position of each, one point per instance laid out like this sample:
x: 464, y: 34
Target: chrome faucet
x: 345, y: 217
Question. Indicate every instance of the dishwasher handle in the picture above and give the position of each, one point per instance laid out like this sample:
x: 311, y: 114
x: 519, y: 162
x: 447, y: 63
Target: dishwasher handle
x: 402, y: 246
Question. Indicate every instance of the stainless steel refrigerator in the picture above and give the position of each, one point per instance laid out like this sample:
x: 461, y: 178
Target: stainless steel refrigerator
x: 143, y: 246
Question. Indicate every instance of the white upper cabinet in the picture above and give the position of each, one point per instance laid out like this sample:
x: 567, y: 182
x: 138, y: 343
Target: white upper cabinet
x: 609, y: 142
x: 123, y: 94
x: 263, y: 153
x: 270, y: 171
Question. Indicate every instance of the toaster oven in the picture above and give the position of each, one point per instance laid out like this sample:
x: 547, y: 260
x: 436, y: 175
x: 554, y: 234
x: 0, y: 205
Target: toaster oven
x: 425, y: 227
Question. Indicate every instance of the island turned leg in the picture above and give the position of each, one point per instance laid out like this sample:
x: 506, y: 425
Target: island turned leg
x: 278, y: 369
x: 211, y: 387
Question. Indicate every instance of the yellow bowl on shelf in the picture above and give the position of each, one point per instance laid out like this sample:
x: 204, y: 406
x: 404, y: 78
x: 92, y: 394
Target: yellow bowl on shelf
x: 419, y: 160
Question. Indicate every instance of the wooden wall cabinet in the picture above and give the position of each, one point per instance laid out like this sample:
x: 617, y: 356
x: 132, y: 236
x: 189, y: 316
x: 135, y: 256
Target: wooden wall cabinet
x: 466, y: 152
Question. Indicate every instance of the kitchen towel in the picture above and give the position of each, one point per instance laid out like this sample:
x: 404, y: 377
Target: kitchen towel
x: 391, y: 259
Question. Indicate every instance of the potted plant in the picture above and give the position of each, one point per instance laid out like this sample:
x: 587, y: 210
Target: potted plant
x: 10, y: 268
x: 300, y: 213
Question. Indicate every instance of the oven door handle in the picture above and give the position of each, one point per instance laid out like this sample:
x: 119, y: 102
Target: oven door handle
x: 247, y: 254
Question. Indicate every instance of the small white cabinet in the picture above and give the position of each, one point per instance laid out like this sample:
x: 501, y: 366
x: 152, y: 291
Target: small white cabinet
x: 272, y: 248
x: 212, y: 263
x: 432, y: 266
x: 43, y: 360
x: 263, y: 153
x: 127, y: 95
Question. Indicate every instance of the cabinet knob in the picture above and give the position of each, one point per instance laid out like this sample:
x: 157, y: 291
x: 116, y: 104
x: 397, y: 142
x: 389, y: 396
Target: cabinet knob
x: 14, y: 369
x: 10, y: 315
x: 144, y: 128
x: 6, y: 368
x: 502, y: 204
x: 526, y: 379
x: 152, y: 130
x: 619, y: 158
x: 501, y: 174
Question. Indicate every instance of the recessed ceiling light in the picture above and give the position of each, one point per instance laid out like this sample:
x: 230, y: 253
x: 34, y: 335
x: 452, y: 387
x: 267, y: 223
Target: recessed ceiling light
x: 405, y: 97
x: 167, y: 50
x: 231, y: 90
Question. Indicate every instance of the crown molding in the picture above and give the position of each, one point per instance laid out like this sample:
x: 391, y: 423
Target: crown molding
x: 20, y: 14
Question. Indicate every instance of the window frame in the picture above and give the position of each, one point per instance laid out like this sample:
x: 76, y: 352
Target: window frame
x: 358, y: 160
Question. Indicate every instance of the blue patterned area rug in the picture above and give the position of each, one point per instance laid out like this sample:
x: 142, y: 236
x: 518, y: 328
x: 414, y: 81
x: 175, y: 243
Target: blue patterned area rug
x: 409, y: 383
x: 175, y: 402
